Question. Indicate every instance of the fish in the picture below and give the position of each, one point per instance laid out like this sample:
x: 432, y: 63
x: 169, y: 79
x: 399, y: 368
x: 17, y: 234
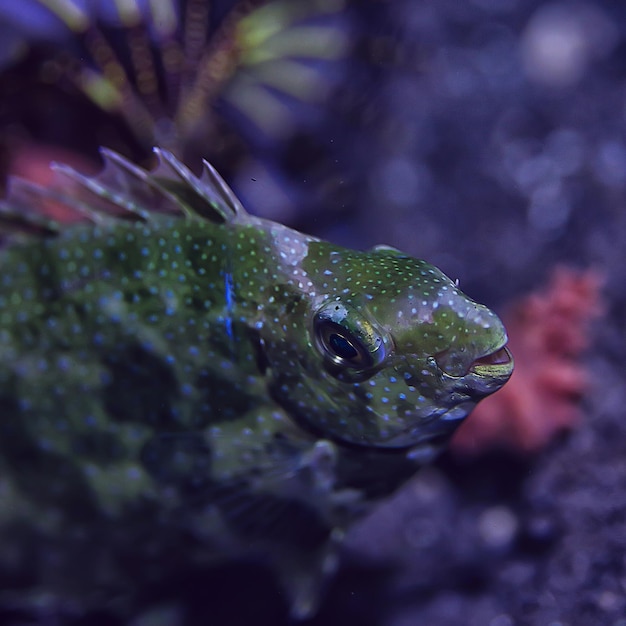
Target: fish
x: 183, y: 384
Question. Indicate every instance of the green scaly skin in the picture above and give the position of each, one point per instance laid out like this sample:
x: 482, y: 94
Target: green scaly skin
x: 183, y: 383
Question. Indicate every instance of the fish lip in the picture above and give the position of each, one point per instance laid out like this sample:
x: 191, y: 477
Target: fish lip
x: 496, y: 364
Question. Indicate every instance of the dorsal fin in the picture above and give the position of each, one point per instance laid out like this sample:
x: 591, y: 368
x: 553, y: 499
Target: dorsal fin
x: 18, y: 215
x: 120, y: 190
x: 208, y: 196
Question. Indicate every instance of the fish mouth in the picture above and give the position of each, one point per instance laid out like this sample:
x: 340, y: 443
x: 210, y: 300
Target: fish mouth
x: 497, y: 364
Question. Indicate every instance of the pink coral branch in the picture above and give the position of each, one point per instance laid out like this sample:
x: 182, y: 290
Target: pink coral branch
x: 549, y: 330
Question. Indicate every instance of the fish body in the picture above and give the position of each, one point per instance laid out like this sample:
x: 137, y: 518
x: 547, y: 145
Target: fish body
x: 183, y: 383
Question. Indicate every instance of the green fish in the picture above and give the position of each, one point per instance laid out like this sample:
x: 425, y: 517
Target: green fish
x: 183, y: 384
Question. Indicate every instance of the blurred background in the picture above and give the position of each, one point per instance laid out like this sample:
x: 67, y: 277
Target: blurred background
x: 486, y: 136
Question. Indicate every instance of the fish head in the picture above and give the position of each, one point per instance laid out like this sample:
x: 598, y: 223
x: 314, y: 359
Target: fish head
x: 389, y: 352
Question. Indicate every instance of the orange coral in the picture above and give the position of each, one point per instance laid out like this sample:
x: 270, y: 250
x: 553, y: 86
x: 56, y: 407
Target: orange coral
x: 548, y: 331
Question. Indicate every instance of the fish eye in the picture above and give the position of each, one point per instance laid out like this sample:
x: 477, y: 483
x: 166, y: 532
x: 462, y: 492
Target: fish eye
x: 348, y: 339
x: 341, y: 347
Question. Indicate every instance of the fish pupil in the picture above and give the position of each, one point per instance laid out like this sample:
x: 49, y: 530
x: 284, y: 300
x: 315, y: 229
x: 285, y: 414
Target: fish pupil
x: 342, y: 347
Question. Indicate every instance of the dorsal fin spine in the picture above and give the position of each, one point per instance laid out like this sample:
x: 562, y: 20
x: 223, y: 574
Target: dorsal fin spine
x: 121, y: 190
